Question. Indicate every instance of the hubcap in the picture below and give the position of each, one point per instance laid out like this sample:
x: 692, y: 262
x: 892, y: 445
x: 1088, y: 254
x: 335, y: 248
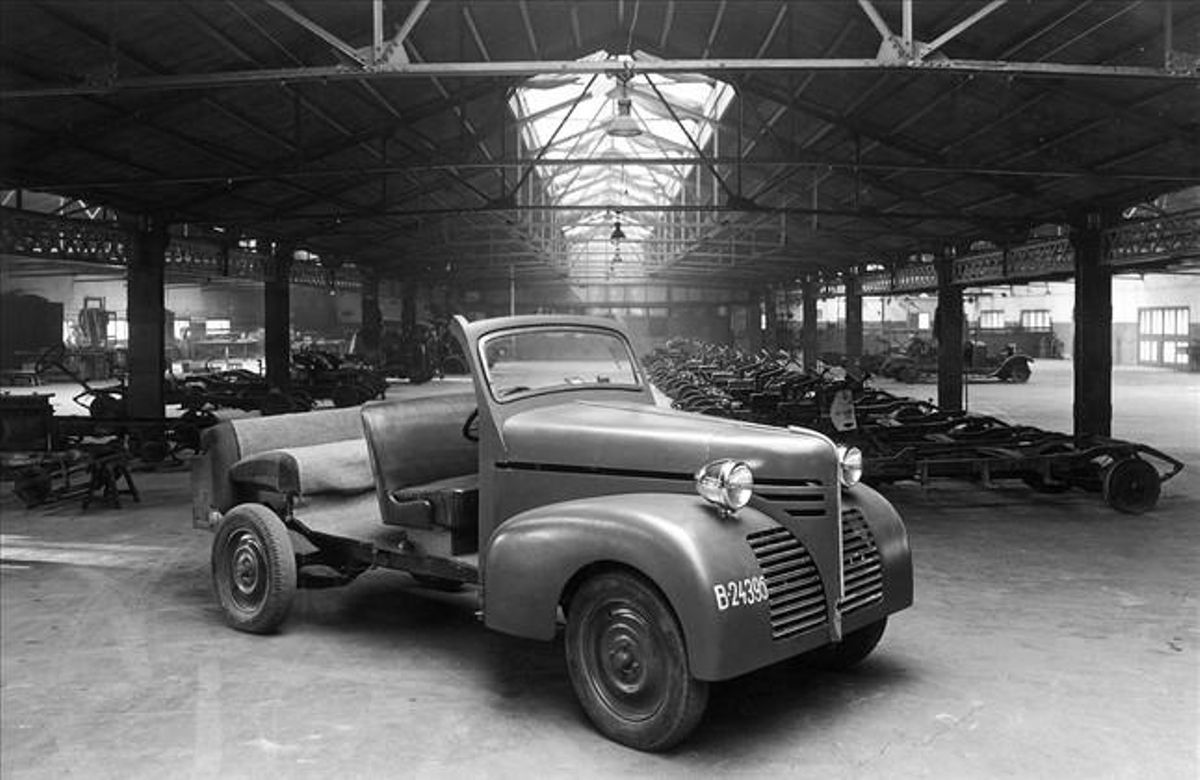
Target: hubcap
x: 624, y: 660
x: 247, y: 567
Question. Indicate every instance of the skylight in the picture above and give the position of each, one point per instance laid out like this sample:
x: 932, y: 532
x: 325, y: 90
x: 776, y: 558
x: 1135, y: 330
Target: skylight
x: 574, y: 118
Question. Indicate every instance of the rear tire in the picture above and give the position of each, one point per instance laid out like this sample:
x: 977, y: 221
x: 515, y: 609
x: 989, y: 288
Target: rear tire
x: 253, y: 569
x: 629, y: 665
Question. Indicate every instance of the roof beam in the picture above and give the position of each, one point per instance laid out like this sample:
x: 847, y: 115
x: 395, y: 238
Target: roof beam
x: 416, y: 164
x: 960, y: 28
x: 715, y: 29
x: 521, y: 68
x: 319, y: 31
x: 528, y: 24
x: 668, y: 20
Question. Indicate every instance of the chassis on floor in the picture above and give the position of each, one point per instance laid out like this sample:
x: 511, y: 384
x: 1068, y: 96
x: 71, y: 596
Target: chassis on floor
x: 908, y: 439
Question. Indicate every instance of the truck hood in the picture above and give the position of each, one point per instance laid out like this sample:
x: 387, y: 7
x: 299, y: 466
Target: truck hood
x: 642, y: 439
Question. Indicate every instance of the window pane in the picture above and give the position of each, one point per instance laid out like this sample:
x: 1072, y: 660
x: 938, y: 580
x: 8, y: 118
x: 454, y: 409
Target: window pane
x: 525, y: 361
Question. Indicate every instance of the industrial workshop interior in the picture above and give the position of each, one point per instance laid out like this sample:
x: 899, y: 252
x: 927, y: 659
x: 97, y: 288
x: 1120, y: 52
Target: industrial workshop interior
x: 599, y: 388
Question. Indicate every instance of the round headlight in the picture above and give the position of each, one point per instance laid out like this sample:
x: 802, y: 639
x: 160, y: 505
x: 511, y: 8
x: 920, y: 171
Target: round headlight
x: 850, y: 465
x: 727, y: 483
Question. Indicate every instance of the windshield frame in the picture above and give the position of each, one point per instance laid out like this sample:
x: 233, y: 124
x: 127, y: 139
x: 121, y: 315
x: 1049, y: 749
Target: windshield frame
x: 638, y: 385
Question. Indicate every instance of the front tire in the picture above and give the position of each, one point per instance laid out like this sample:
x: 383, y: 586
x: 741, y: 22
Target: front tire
x: 1132, y: 486
x: 628, y: 663
x: 253, y: 569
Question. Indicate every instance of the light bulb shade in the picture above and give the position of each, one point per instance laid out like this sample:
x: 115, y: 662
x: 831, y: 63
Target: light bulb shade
x: 617, y: 234
x: 727, y: 483
x: 623, y: 125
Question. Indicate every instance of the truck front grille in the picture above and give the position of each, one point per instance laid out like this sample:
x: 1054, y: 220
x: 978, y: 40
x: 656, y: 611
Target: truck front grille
x: 862, y: 567
x: 795, y: 594
x: 803, y: 499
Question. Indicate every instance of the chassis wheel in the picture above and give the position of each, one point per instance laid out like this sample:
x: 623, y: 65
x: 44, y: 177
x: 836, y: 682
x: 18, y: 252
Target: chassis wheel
x: 628, y: 663
x: 1020, y: 372
x: 852, y: 650
x: 1132, y: 485
x: 253, y: 569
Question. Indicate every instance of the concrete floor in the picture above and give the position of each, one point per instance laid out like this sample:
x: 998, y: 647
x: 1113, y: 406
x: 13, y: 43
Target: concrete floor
x: 1051, y: 637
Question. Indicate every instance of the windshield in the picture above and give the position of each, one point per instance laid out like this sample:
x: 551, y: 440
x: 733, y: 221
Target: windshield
x: 521, y: 362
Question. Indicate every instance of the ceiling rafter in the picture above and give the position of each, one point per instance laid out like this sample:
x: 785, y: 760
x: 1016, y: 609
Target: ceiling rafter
x: 528, y: 25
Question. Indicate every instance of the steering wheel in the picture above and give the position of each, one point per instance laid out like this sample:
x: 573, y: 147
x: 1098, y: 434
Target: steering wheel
x: 470, y: 428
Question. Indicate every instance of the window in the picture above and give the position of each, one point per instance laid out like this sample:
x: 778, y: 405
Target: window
x: 540, y: 359
x: 1035, y: 319
x: 991, y: 319
x: 117, y: 330
x: 1163, y: 336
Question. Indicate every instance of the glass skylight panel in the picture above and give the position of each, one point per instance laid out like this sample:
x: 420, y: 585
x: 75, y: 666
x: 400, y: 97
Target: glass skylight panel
x: 573, y: 115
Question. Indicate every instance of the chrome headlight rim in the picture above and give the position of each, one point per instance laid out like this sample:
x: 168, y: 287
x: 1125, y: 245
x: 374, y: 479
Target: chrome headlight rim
x: 850, y: 465
x: 726, y: 483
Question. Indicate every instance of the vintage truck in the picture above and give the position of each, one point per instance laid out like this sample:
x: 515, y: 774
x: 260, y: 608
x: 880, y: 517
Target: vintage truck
x: 676, y: 548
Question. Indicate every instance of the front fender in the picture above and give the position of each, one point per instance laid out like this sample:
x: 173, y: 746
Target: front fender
x: 1012, y: 365
x: 679, y: 542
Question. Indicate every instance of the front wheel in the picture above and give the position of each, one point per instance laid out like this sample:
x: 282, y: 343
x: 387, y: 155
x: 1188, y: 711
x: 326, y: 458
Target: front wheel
x: 628, y: 663
x: 253, y: 569
x: 1132, y: 485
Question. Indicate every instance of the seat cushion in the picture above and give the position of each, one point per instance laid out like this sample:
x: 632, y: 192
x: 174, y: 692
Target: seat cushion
x: 449, y: 503
x: 332, y: 467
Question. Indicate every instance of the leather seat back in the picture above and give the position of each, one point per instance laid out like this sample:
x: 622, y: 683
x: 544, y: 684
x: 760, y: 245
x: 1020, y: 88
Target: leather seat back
x: 418, y: 440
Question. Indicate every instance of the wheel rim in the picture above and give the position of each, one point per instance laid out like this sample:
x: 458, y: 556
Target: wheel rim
x: 247, y: 578
x: 1133, y: 485
x: 624, y: 660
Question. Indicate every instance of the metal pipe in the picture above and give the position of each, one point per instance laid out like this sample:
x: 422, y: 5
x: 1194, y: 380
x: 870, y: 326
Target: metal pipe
x: 376, y: 30
x: 907, y: 25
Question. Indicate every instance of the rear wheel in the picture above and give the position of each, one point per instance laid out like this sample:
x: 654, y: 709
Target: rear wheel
x: 628, y: 663
x: 253, y: 569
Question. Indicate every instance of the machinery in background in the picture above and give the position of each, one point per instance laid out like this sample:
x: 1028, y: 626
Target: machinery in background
x: 53, y: 458
x: 918, y: 363
x: 420, y: 353
x: 904, y: 438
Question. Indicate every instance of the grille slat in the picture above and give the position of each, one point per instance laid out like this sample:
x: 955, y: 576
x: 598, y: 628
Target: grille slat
x: 862, y: 568
x: 795, y: 593
x: 785, y: 585
x: 789, y: 599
